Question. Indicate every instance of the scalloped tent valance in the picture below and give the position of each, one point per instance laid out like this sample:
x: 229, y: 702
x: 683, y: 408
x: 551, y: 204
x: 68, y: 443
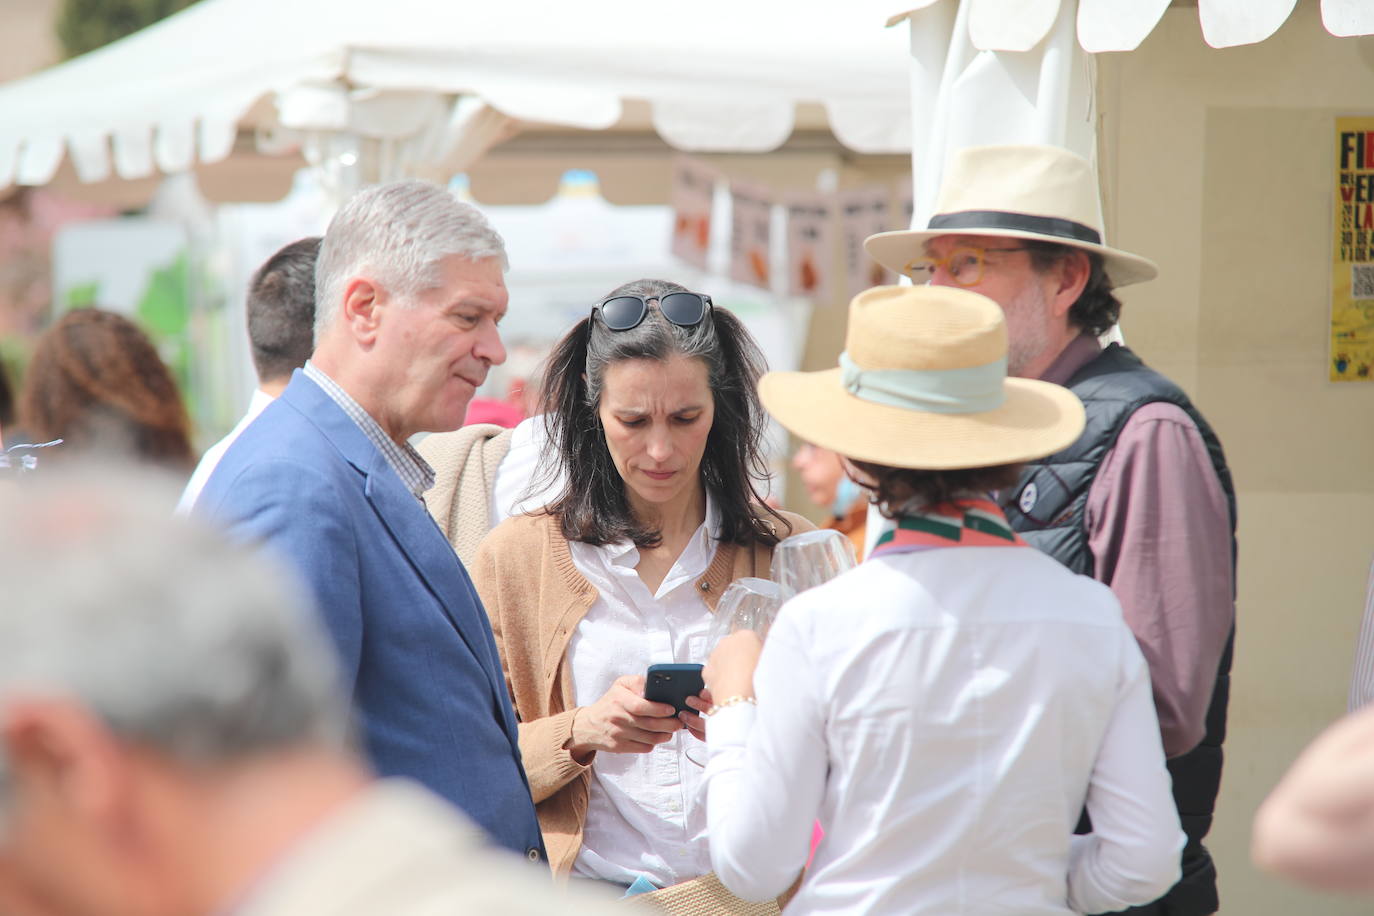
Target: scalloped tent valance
x: 427, y: 82
x: 1121, y: 25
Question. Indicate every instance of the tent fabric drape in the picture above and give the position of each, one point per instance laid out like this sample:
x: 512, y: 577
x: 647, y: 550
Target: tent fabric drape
x: 1121, y: 25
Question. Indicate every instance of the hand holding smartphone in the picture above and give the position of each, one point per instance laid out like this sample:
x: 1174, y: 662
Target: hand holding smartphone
x: 673, y: 684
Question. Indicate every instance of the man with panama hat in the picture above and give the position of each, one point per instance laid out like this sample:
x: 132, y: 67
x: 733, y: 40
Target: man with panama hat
x: 948, y: 707
x: 1143, y: 501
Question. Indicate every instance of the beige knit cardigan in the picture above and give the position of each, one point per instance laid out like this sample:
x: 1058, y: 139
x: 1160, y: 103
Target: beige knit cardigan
x: 535, y: 598
x: 465, y: 463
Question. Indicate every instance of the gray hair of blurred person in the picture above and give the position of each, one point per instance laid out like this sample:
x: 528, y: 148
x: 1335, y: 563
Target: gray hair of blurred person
x: 180, y: 641
x: 397, y: 234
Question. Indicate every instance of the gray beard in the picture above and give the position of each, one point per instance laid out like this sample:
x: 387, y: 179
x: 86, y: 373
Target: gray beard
x: 1029, y: 339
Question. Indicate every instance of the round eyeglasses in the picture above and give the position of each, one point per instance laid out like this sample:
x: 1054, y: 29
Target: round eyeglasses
x: 964, y: 265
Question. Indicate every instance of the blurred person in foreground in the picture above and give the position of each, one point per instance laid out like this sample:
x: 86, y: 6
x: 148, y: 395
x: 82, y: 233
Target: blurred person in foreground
x: 1317, y: 826
x: 655, y: 428
x: 829, y: 486
x: 947, y: 707
x: 96, y: 382
x: 173, y: 737
x: 1143, y: 501
x: 409, y: 292
x: 281, y: 333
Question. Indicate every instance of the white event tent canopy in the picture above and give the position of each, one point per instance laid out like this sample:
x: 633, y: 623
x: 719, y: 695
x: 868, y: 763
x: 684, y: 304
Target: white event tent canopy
x: 369, y: 91
x: 1023, y: 71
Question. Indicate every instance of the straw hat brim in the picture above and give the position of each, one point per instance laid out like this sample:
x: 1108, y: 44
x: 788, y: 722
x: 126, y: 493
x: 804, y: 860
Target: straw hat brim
x: 1036, y: 419
x: 894, y: 249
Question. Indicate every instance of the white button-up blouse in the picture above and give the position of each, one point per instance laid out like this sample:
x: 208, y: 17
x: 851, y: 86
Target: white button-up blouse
x: 946, y: 714
x: 645, y: 812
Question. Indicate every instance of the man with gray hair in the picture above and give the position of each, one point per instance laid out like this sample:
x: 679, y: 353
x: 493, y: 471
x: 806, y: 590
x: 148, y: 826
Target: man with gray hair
x: 173, y: 739
x: 409, y: 292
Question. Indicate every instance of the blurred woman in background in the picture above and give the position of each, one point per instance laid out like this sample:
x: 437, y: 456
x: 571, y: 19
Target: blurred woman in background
x: 96, y: 382
x: 829, y: 486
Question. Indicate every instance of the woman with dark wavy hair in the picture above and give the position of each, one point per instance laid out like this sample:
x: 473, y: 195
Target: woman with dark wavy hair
x: 655, y: 430
x: 96, y: 382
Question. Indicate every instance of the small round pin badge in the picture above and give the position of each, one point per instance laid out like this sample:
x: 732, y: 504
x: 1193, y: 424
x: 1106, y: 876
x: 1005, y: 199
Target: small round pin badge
x: 1028, y: 496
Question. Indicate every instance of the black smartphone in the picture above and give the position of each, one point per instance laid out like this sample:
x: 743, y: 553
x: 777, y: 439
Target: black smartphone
x: 673, y: 684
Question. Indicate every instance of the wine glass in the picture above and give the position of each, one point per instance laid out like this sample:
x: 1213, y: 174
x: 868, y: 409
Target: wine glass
x: 748, y: 604
x: 800, y: 562
x: 811, y: 558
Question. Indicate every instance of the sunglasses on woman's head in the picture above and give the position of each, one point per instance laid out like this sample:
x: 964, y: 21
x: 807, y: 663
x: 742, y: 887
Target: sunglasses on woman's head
x: 620, y: 313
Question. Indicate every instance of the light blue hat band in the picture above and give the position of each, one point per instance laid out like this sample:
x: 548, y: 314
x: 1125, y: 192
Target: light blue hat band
x: 973, y: 389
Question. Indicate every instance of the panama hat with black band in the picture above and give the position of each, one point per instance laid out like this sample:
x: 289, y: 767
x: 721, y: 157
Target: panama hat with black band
x: 923, y: 384
x: 1042, y: 193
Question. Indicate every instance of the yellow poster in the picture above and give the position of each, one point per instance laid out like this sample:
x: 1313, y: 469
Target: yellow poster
x: 1352, y: 253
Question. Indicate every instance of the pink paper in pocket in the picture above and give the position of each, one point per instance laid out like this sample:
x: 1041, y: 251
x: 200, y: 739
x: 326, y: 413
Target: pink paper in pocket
x: 817, y: 834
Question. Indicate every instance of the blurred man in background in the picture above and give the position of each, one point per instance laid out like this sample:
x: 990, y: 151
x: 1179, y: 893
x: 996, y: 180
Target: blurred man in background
x: 281, y: 334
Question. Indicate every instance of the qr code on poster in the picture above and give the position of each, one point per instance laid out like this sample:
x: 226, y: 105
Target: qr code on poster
x: 1362, y: 281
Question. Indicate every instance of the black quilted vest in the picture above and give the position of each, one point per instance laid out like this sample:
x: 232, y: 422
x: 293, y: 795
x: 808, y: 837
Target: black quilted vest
x: 1054, y: 492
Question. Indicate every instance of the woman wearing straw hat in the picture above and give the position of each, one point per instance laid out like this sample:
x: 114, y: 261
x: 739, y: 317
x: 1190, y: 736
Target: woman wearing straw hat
x: 947, y: 708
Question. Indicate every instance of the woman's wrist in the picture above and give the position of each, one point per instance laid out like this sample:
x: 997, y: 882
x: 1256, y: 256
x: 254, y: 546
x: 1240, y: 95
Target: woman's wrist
x: 732, y: 687
x: 580, y: 752
x: 734, y: 699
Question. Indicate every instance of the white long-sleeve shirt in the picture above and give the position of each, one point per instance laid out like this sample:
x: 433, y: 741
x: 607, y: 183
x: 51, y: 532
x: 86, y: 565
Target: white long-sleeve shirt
x: 517, y: 487
x: 945, y: 714
x: 645, y: 812
x: 210, y: 460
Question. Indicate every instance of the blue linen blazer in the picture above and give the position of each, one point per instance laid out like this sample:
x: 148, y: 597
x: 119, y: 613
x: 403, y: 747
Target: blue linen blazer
x: 415, y: 646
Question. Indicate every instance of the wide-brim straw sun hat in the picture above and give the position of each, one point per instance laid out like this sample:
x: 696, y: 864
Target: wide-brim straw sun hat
x: 923, y: 384
x: 1042, y: 193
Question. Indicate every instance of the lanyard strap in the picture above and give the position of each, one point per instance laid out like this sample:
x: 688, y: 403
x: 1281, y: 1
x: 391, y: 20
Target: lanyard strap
x: 962, y: 523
